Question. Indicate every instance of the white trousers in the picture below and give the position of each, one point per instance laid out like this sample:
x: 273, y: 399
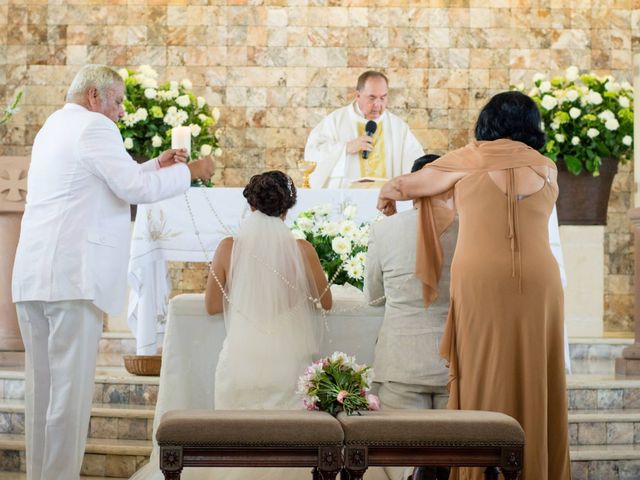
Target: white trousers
x: 61, y: 346
x: 400, y: 396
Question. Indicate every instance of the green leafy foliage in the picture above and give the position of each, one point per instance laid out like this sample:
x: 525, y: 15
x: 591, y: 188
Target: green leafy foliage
x: 585, y: 118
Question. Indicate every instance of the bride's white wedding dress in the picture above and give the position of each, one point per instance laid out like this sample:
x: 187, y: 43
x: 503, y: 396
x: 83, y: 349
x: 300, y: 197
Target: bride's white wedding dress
x: 272, y: 335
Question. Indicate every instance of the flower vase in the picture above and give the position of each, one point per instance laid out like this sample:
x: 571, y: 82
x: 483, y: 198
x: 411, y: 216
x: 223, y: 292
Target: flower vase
x: 583, y: 198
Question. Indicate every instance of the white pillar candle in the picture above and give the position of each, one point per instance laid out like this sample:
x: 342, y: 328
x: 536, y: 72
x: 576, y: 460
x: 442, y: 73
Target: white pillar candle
x: 181, y: 138
x: 636, y: 126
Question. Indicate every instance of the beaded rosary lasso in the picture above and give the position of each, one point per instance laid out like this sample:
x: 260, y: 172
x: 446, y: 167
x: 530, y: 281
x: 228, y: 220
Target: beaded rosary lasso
x: 315, y: 301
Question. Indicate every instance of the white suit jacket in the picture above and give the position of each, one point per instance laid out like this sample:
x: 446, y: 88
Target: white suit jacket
x: 408, y: 345
x: 75, y: 234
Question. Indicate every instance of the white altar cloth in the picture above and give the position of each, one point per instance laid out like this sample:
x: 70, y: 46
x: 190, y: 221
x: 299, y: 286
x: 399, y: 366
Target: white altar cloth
x: 164, y: 231
x: 193, y: 341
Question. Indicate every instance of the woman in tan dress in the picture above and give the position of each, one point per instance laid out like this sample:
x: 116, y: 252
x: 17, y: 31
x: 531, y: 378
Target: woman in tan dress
x: 504, y: 335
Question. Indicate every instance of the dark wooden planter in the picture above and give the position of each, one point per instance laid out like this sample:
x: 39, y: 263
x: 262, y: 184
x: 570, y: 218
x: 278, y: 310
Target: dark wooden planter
x: 584, y: 198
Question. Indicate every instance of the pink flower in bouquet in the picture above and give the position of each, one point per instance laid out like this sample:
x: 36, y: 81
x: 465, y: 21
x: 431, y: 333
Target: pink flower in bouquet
x: 342, y: 394
x: 310, y: 405
x: 374, y: 402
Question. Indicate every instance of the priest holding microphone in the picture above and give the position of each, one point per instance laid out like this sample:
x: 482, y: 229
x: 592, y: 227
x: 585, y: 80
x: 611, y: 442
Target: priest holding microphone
x: 361, y: 140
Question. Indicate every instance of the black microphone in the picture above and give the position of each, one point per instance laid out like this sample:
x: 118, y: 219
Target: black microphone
x: 369, y: 130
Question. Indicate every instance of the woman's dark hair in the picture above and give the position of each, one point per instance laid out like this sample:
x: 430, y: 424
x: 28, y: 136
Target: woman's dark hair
x: 511, y: 115
x: 423, y: 160
x: 273, y: 193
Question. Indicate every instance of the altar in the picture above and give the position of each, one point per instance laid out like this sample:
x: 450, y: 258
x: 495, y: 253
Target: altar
x: 188, y: 228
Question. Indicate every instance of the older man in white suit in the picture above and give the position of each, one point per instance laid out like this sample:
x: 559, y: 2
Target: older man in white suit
x: 72, y: 255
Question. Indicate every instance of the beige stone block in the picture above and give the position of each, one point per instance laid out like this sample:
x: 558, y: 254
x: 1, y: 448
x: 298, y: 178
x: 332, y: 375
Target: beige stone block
x: 434, y: 139
x: 132, y: 428
x: 570, y: 39
x: 621, y: 59
x: 438, y: 77
x: 93, y: 465
x: 439, y: 37
x: 480, y: 17
x: 177, y: 15
x: 417, y: 119
x: 256, y: 137
x: 439, y: 57
x: 277, y: 37
x: 101, y: 427
x: 316, y: 37
x: 459, y: 78
x: 337, y: 16
x: 277, y: 17
x: 256, y: 118
x: 297, y: 15
x: 317, y: 17
x: 217, y: 56
x: 378, y: 37
x: 120, y: 465
x: 257, y: 35
x: 298, y: 36
x: 437, y: 98
x: 358, y: 17
x: 459, y: 17
x: 378, y: 16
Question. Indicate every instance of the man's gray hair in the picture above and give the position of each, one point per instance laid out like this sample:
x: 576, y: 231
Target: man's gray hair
x: 100, y: 77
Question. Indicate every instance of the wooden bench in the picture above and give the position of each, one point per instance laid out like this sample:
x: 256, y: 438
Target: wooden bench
x: 250, y: 438
x: 432, y: 437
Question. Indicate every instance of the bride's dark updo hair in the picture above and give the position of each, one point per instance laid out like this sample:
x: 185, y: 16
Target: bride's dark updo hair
x: 273, y: 193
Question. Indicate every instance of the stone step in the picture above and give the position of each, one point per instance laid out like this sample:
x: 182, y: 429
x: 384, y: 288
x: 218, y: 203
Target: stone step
x: 608, y: 462
x: 23, y: 476
x: 113, y: 385
x: 603, y: 392
x: 102, y: 457
x: 604, y: 427
x: 107, y: 421
x: 596, y: 355
x: 113, y: 346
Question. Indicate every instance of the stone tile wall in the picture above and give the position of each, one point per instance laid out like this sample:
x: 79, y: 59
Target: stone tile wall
x: 275, y: 68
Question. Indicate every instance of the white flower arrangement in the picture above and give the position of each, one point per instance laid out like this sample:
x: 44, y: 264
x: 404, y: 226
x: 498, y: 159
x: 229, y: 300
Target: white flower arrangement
x: 341, y: 243
x: 595, y: 113
x: 153, y: 109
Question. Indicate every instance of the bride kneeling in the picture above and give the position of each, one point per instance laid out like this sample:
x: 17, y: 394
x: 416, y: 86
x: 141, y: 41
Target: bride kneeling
x: 268, y: 285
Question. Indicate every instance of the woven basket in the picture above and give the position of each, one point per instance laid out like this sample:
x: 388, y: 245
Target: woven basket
x: 148, y: 365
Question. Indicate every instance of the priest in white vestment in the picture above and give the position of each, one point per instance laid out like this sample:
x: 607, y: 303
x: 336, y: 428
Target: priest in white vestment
x: 337, y: 143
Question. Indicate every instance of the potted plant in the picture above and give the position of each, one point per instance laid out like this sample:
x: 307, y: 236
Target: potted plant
x: 153, y: 109
x: 588, y: 120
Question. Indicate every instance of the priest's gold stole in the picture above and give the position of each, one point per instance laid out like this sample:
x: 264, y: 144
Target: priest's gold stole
x: 375, y: 165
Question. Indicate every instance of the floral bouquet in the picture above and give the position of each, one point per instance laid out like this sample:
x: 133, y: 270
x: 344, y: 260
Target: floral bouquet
x: 153, y: 109
x: 337, y: 383
x: 341, y: 243
x: 585, y: 117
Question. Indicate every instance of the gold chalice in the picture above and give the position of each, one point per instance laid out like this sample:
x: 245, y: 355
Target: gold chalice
x: 310, y: 167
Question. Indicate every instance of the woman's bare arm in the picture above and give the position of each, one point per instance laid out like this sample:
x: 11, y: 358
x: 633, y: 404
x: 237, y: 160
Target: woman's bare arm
x: 423, y: 183
x: 213, y: 298
x: 317, y: 274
